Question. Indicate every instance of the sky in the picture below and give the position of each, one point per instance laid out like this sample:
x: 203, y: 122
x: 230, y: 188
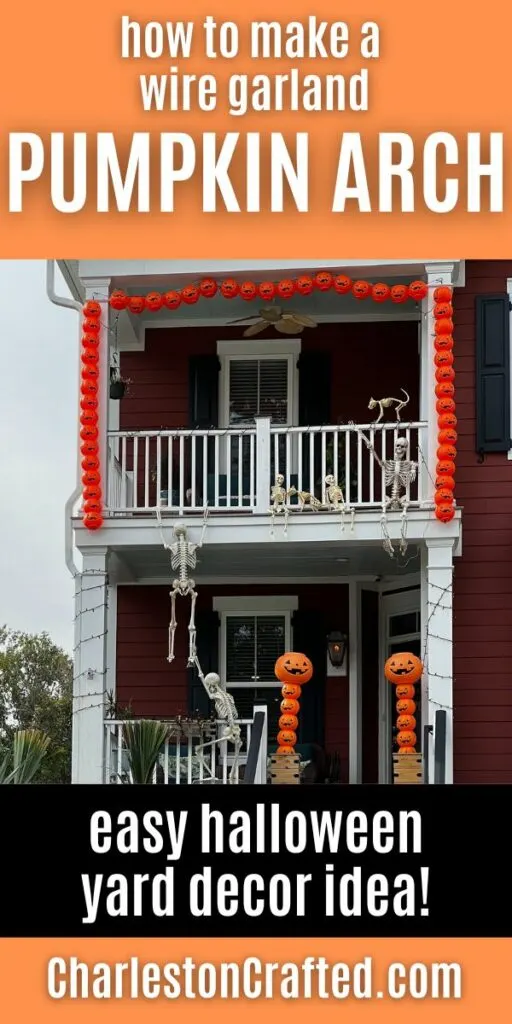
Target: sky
x: 38, y: 432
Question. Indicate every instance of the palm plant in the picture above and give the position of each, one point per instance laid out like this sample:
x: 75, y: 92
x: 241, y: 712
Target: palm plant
x: 29, y: 749
x: 144, y: 741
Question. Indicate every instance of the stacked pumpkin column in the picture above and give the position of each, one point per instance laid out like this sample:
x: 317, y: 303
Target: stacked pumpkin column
x: 89, y: 403
x: 445, y: 405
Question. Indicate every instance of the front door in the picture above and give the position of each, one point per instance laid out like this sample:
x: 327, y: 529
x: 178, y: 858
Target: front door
x: 400, y: 631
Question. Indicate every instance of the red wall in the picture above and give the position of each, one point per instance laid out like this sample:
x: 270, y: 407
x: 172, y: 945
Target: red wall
x: 483, y: 575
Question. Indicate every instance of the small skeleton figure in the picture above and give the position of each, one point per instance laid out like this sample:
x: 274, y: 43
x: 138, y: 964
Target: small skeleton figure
x: 399, y: 473
x: 335, y: 499
x: 183, y: 558
x: 306, y: 498
x: 278, y: 498
x: 225, y: 708
x: 388, y: 403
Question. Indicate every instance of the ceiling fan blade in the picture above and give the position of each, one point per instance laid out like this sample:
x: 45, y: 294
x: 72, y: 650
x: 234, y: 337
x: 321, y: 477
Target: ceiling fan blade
x: 300, y: 318
x: 256, y: 328
x: 244, y: 320
x: 271, y: 314
x: 288, y: 327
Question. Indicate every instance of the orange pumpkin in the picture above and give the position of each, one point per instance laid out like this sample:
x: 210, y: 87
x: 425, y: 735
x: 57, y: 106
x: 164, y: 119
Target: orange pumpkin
x: 289, y: 706
x: 361, y: 289
x: 118, y: 300
x: 90, y: 340
x: 446, y: 420
x: 89, y: 387
x: 91, y: 478
x: 304, y: 284
x: 90, y: 462
x: 154, y: 301
x: 293, y: 668
x: 190, y: 294
x: 323, y: 280
x: 445, y: 482
x: 444, y: 326
x: 89, y: 432
x: 90, y: 356
x: 136, y: 304
x: 92, y: 493
x: 406, y: 738
x: 443, y: 342
x: 403, y: 667
x: 248, y: 291
x: 89, y: 417
x: 90, y: 372
x: 89, y: 402
x: 380, y: 292
x: 342, y: 284
x: 172, y: 300
x: 285, y: 749
x: 91, y: 308
x: 445, y: 467
x: 286, y: 288
x: 406, y: 722
x: 93, y: 520
x: 445, y: 373
x: 407, y: 750
x: 288, y: 722
x: 418, y: 290
x: 443, y: 293
x: 91, y: 325
x: 286, y: 738
x: 444, y: 389
x: 443, y: 496
x: 405, y: 691
x: 445, y: 405
x: 229, y: 288
x: 89, y: 448
x: 446, y: 451
x: 442, y: 310
x: 267, y: 290
x: 444, y: 358
x: 399, y: 293
x: 208, y: 287
x: 445, y: 513
x: 405, y: 706
x: 448, y: 436
x: 291, y: 690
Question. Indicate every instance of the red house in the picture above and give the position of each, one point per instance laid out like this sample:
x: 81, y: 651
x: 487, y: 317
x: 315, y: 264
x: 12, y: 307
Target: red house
x: 308, y: 507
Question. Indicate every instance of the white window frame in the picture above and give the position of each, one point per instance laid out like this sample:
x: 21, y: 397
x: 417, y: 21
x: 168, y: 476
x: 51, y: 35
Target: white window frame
x: 251, y: 349
x: 227, y: 607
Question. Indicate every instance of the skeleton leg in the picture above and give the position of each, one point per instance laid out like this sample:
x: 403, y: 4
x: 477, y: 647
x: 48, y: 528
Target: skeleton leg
x: 173, y: 623
x: 403, y: 532
x: 192, y: 629
x: 386, y: 539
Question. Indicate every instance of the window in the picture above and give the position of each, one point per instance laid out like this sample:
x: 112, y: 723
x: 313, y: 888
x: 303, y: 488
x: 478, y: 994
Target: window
x: 254, y: 633
x: 259, y: 379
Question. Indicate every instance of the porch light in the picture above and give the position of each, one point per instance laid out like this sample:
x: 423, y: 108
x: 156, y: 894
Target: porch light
x: 337, y: 648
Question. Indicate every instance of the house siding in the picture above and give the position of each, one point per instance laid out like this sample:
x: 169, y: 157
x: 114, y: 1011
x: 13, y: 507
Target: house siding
x: 483, y: 575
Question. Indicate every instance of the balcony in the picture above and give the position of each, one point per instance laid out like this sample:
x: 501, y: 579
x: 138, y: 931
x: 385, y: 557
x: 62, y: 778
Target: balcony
x: 233, y: 470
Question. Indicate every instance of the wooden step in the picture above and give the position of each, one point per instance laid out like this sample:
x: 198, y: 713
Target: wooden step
x: 407, y: 769
x: 284, y: 769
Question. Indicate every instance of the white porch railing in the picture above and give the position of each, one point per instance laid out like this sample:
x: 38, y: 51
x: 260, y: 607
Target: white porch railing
x: 234, y: 469
x: 178, y: 761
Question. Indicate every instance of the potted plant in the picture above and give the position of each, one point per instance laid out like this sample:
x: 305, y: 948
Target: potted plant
x: 118, y: 384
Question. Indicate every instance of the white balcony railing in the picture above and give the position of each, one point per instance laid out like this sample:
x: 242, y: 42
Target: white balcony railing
x: 234, y: 469
x: 179, y: 762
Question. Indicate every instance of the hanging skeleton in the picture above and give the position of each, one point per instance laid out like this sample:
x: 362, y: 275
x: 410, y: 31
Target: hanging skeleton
x: 183, y: 559
x: 399, y: 473
x: 227, y: 717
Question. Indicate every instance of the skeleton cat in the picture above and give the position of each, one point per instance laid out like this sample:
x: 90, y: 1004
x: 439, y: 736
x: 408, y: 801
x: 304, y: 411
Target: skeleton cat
x: 388, y: 403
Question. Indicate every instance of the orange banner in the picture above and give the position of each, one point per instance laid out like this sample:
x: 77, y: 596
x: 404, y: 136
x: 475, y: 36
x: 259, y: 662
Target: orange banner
x: 366, y: 979
x: 221, y: 136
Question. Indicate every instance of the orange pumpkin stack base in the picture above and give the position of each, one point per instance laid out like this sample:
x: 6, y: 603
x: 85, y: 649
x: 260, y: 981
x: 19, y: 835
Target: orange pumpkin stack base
x: 293, y: 671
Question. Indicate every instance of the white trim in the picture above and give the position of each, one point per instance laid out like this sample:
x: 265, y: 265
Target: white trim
x: 255, y: 605
x: 254, y: 349
x: 509, y: 293
x: 355, y: 753
x: 111, y: 640
x: 390, y: 605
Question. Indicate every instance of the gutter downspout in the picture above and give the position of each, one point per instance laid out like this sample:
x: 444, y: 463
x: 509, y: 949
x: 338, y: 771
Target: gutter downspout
x: 60, y: 300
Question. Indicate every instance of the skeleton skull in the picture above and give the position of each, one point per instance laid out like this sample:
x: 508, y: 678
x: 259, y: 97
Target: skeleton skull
x: 401, y: 448
x: 213, y: 683
x: 329, y: 480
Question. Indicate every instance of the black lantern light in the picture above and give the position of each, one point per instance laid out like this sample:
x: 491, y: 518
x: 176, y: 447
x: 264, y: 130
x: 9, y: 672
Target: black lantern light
x: 337, y: 648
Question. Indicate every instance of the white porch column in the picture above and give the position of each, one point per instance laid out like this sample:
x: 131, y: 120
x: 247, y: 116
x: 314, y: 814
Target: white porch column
x: 355, y: 737
x: 262, y: 463
x: 437, y: 274
x: 90, y: 668
x: 437, y: 643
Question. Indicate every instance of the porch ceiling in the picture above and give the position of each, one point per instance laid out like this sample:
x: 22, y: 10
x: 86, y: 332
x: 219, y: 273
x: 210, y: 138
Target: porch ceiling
x: 275, y: 562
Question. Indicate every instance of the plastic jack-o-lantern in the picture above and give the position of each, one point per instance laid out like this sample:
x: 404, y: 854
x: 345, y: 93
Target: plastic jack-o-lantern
x: 444, y: 358
x: 405, y: 706
x: 154, y: 301
x: 407, y: 750
x: 288, y: 722
x: 283, y: 750
x: 443, y: 342
x: 361, y: 289
x: 90, y: 462
x: 447, y: 419
x: 267, y: 290
x: 443, y: 293
x: 92, y: 506
x: 418, y: 290
x: 90, y: 478
x: 93, y: 520
x: 399, y: 293
x: 445, y: 373
x: 445, y: 513
x: 286, y: 288
x: 289, y: 706
x: 445, y: 482
x: 89, y: 402
x: 89, y: 387
x: 90, y: 355
x: 91, y: 325
x: 405, y: 691
x: 444, y: 326
x: 92, y: 493
x: 90, y: 340
x: 448, y: 436
x: 286, y: 738
x: 293, y: 668
x: 445, y: 405
x: 446, y: 452
x: 89, y: 432
x: 323, y: 280
x: 445, y: 389
x: 88, y: 417
x: 118, y: 300
x: 342, y: 284
x: 406, y: 722
x: 443, y: 496
x: 92, y: 308
x: 445, y: 467
x: 380, y: 292
x: 406, y: 738
x: 248, y: 291
x: 292, y: 690
x: 304, y: 284
x: 208, y: 287
x: 90, y: 371
x: 89, y: 448
x: 190, y: 294
x: 229, y: 288
x: 172, y: 300
x: 136, y: 304
x: 403, y: 668
x: 443, y: 309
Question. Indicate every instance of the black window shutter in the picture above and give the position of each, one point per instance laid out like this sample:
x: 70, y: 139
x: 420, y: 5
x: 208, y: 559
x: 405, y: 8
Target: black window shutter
x: 207, y: 623
x: 314, y: 389
x: 309, y: 638
x: 204, y: 392
x: 492, y: 373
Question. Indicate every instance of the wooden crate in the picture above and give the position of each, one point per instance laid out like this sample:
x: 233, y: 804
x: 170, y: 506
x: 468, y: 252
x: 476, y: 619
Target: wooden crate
x: 407, y: 769
x: 284, y: 769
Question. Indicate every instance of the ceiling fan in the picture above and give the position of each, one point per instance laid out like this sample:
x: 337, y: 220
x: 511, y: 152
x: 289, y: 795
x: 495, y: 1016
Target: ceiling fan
x: 274, y: 316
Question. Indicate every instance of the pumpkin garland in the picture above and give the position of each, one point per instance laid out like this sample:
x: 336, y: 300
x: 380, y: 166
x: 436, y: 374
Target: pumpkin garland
x: 293, y: 670
x: 445, y: 405
x: 405, y: 670
x: 305, y: 284
x: 89, y: 433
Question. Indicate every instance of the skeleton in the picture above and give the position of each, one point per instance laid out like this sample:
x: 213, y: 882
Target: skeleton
x: 306, y: 498
x: 335, y: 500
x: 278, y: 499
x: 388, y: 403
x: 225, y: 708
x: 183, y: 558
x: 399, y: 473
